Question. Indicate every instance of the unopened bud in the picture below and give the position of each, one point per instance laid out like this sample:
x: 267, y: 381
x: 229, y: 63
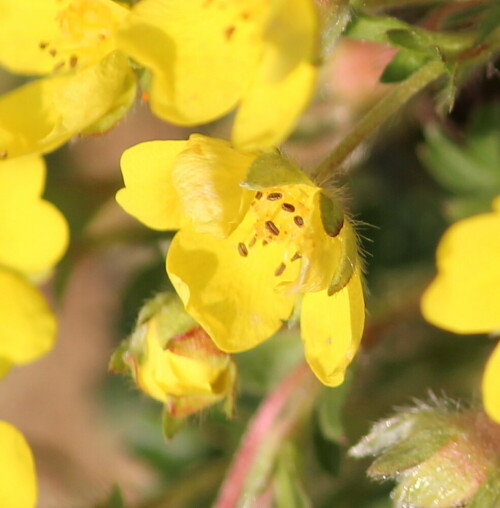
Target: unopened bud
x: 173, y: 360
x: 439, y: 458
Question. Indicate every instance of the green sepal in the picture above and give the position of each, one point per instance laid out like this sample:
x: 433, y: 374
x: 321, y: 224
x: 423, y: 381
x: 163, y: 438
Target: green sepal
x: 116, y: 363
x: 348, y: 259
x: 171, y: 425
x: 272, y: 170
x: 332, y: 215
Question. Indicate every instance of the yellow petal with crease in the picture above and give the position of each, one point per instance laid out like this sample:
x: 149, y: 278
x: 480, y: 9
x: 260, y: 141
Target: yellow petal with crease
x: 44, y: 114
x: 491, y: 385
x: 465, y: 295
x: 27, y: 326
x: 33, y: 233
x: 207, y: 177
x: 232, y: 297
x: 331, y: 328
x: 18, y: 485
x: 149, y: 194
x: 23, y: 26
x: 200, y: 73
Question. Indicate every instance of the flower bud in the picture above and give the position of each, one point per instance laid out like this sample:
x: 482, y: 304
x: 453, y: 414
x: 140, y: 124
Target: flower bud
x: 438, y: 457
x: 173, y: 360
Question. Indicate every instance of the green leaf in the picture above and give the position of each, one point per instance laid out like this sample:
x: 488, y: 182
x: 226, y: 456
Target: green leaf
x: 373, y: 28
x: 403, y: 65
x: 469, y: 168
x: 115, y: 499
x: 289, y: 492
x: 273, y: 170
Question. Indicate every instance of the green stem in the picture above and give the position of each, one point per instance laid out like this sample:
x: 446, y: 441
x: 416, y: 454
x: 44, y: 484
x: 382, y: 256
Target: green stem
x: 391, y: 103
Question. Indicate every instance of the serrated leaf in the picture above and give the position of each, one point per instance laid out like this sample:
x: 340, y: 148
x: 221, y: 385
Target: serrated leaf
x: 403, y: 65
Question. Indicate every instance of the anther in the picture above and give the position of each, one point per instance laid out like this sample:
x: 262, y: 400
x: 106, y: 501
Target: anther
x: 73, y: 60
x: 53, y: 52
x: 272, y: 228
x: 252, y: 241
x: 58, y: 66
x: 274, y: 196
x: 298, y: 220
x: 258, y: 195
x: 4, y: 154
x: 43, y: 44
x: 280, y: 269
x: 296, y: 256
x: 242, y: 249
x: 264, y: 243
x: 288, y: 207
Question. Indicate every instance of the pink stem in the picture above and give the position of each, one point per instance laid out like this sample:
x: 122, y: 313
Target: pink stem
x: 263, y: 420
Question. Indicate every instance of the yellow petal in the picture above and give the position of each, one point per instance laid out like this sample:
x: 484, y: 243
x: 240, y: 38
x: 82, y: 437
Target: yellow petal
x: 18, y: 485
x: 465, y: 295
x: 284, y: 82
x: 33, y: 233
x: 199, y: 72
x: 149, y: 193
x: 270, y: 109
x: 233, y: 297
x: 44, y: 114
x: 331, y: 328
x: 491, y: 385
x: 23, y: 26
x: 207, y: 177
x: 27, y: 327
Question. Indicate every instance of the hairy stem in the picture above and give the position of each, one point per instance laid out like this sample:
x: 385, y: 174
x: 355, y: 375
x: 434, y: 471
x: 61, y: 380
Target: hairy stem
x: 387, y: 106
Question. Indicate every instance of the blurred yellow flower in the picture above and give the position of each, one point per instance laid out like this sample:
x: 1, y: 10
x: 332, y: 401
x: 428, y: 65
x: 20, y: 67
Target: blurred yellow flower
x: 174, y: 361
x: 33, y: 236
x: 92, y: 84
x: 465, y: 295
x: 18, y: 485
x: 208, y: 57
x: 256, y: 238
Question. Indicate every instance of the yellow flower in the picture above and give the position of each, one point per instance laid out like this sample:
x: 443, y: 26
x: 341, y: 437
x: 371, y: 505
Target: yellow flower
x: 208, y: 57
x: 92, y: 84
x: 18, y: 485
x: 465, y: 295
x: 256, y: 237
x: 33, y: 236
x: 174, y: 361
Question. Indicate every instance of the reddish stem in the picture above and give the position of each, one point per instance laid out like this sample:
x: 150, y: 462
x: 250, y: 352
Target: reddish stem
x: 258, y: 428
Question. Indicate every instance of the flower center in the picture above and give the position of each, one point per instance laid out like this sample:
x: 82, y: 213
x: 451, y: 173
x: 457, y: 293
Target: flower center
x: 281, y: 216
x: 86, y: 30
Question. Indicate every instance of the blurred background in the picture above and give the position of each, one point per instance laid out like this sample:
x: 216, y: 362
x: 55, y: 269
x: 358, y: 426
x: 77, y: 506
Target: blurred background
x: 91, y: 430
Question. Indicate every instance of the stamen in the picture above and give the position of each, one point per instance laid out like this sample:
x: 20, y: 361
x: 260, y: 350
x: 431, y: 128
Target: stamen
x: 280, y: 269
x: 288, y: 207
x: 73, y: 60
x: 274, y: 196
x: 258, y: 195
x: 252, y: 241
x: 58, y: 66
x: 53, y: 52
x: 272, y: 228
x: 298, y: 220
x: 4, y: 154
x: 43, y: 44
x: 296, y: 256
x: 242, y: 249
x: 264, y: 243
